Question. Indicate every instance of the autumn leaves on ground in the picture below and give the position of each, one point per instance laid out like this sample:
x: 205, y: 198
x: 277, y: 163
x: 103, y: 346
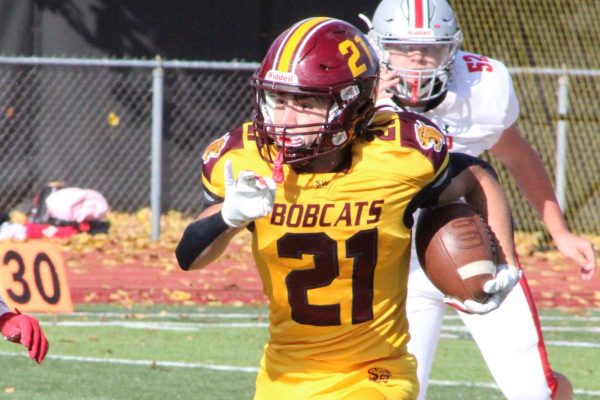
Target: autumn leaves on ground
x: 126, y: 267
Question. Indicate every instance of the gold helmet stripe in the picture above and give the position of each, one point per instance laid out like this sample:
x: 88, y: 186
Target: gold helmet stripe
x: 289, y: 45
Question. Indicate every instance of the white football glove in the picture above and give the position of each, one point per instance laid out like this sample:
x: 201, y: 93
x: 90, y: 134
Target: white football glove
x: 507, y: 276
x: 249, y: 198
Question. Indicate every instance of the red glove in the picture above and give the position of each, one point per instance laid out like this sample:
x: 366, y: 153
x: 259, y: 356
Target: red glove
x: 21, y: 328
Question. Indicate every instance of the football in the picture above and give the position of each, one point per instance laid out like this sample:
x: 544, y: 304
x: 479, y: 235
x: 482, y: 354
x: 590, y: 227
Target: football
x: 456, y: 251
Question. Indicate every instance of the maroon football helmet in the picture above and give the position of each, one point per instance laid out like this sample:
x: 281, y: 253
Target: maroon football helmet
x: 321, y: 57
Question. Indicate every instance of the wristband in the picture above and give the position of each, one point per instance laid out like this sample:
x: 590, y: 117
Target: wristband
x: 197, y: 237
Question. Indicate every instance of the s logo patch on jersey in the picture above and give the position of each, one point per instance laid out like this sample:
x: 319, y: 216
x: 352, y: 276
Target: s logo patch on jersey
x: 429, y: 137
x: 214, y: 149
x: 379, y: 375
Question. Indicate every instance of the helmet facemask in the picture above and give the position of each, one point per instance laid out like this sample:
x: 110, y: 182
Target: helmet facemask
x: 424, y: 68
x: 407, y: 26
x: 298, y: 144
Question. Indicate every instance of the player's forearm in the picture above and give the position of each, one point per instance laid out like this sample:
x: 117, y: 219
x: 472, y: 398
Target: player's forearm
x: 537, y: 189
x: 214, y: 250
x: 488, y: 198
x: 204, y: 240
x: 525, y: 166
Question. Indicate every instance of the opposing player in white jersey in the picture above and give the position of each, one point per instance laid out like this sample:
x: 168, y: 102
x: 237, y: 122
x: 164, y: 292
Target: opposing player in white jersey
x: 471, y: 98
x: 21, y: 328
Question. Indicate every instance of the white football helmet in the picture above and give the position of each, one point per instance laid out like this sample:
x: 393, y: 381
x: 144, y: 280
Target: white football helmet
x: 418, y: 39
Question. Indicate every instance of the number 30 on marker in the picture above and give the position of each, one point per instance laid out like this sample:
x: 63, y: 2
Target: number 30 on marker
x: 33, y: 278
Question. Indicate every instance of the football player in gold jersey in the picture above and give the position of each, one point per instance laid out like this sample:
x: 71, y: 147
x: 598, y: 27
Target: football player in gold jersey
x: 327, y: 186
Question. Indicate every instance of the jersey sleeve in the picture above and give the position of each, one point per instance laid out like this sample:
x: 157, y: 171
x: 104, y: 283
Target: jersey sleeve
x: 421, y: 159
x: 512, y: 105
x: 213, y: 160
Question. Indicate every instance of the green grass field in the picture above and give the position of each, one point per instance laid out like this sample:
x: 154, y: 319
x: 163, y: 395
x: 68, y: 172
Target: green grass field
x: 168, y: 352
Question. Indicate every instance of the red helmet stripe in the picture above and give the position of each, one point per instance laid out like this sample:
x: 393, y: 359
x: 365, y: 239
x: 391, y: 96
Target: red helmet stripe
x: 420, y: 16
x: 290, y: 44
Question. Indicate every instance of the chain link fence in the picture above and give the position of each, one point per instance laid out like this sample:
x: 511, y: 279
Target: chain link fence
x: 546, y: 42
x: 540, y: 122
x: 90, y: 122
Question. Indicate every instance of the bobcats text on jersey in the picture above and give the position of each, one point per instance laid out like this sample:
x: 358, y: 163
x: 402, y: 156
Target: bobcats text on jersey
x: 327, y: 214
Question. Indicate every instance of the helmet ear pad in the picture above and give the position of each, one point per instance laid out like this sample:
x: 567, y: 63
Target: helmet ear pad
x: 358, y: 114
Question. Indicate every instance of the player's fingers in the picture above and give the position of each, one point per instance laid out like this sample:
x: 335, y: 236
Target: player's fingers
x: 387, y: 84
x: 492, y: 286
x: 388, y: 74
x: 589, y: 267
x: 229, y: 180
x: 247, y: 178
x: 43, y: 348
x: 267, y: 206
x: 36, y: 341
x: 582, y: 255
x: 484, y: 308
x: 26, y: 332
x: 506, y: 278
x: 264, y: 182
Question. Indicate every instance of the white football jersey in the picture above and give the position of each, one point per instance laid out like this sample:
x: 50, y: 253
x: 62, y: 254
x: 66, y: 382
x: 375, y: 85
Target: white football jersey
x: 479, y: 105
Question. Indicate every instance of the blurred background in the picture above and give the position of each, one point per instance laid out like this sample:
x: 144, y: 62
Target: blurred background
x: 80, y: 80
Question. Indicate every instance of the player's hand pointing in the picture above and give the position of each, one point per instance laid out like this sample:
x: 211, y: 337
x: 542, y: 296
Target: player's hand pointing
x: 248, y: 198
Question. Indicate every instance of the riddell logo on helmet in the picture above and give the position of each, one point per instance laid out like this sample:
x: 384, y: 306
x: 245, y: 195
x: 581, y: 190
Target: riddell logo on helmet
x: 283, y: 77
x: 420, y: 32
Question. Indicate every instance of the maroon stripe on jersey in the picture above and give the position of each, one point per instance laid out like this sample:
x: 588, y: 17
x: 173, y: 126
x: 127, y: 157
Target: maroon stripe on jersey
x: 418, y: 13
x: 216, y: 150
x: 419, y: 133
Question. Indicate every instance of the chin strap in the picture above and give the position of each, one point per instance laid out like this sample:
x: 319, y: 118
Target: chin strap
x: 278, y: 167
x: 415, y: 92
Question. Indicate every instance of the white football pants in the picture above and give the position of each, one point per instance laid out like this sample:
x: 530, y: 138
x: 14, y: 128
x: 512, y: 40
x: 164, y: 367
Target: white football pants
x: 509, y: 338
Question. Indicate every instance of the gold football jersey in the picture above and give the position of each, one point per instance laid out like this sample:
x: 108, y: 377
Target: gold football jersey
x: 333, y: 255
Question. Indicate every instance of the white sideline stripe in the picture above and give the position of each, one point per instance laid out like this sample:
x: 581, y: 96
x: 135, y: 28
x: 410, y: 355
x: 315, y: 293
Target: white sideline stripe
x: 494, y: 386
x: 543, y: 318
x: 461, y: 383
x: 229, y: 368
x: 146, y: 363
x: 136, y: 315
x: 560, y: 343
x: 165, y: 326
x: 196, y: 326
x: 592, y: 329
x: 142, y: 315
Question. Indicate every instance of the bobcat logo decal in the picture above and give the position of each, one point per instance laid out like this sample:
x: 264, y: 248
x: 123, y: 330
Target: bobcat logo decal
x: 214, y: 149
x: 429, y: 137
